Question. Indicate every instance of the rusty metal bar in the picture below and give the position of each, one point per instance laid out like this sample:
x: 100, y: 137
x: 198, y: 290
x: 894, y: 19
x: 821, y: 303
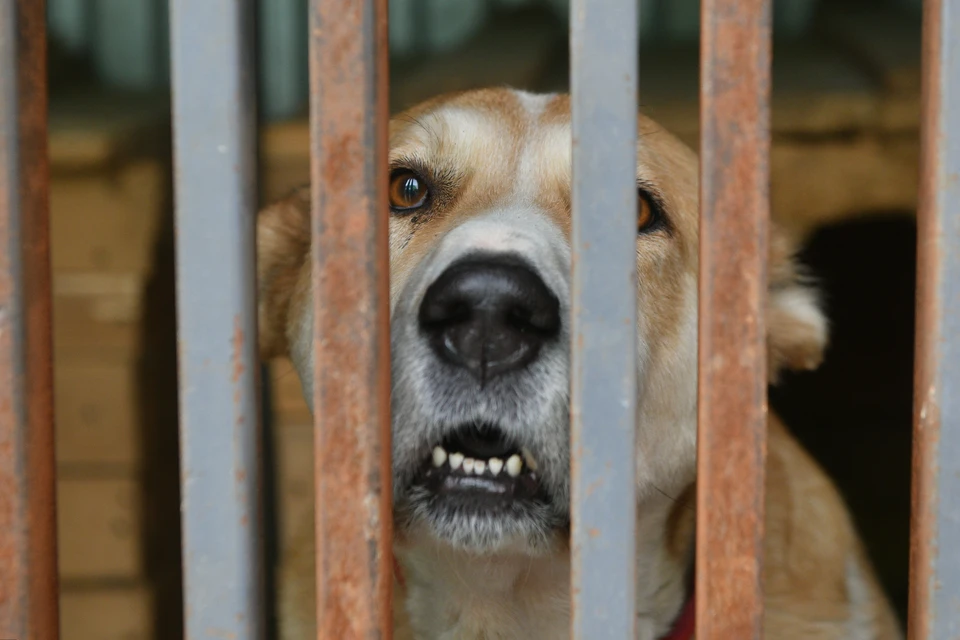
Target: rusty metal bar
x: 935, y: 529
x: 732, y: 411
x: 603, y: 38
x: 215, y: 183
x: 28, y: 540
x: 351, y: 343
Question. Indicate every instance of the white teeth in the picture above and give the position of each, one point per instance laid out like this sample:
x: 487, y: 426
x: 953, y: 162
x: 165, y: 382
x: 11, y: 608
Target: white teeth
x: 528, y: 458
x: 477, y: 467
x: 514, y: 465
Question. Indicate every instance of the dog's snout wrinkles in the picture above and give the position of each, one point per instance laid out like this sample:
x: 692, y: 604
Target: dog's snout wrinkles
x: 489, y: 315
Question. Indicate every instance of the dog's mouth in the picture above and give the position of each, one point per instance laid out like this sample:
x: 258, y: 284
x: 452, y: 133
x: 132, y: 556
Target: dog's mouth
x: 479, y: 488
x: 479, y: 466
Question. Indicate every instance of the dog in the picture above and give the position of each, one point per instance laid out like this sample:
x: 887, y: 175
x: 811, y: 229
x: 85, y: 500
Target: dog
x: 480, y: 256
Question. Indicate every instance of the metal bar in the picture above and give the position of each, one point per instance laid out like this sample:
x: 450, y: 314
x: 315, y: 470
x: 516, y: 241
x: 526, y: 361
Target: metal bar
x: 603, y: 37
x: 935, y: 529
x: 215, y: 178
x: 732, y: 409
x: 351, y: 344
x: 28, y: 540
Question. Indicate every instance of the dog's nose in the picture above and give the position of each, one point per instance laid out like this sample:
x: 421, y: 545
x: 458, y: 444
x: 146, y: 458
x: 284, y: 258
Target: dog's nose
x: 489, y: 315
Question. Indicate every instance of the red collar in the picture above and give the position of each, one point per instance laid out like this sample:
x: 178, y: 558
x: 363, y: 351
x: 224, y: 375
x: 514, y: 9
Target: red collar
x: 398, y: 572
x: 686, y: 623
x: 683, y: 627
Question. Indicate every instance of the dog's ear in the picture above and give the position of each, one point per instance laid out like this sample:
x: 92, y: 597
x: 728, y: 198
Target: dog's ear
x: 283, y: 269
x: 796, y: 324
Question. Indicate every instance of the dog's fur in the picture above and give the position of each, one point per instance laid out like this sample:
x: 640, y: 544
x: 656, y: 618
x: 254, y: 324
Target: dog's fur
x: 500, y: 166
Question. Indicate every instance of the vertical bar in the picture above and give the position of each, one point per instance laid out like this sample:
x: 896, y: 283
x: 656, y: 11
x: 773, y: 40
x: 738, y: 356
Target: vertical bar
x: 603, y: 78
x: 351, y: 343
x: 935, y: 531
x: 732, y: 411
x: 28, y: 540
x: 215, y: 178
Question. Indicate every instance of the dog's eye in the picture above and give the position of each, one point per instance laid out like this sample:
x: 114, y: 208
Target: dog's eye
x: 407, y: 190
x: 647, y: 212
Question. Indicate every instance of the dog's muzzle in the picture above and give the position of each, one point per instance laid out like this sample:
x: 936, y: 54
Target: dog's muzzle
x: 481, y: 388
x: 489, y: 316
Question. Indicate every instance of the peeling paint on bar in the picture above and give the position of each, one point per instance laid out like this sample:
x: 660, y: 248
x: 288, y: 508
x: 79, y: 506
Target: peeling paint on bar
x: 349, y: 121
x: 603, y: 37
x: 935, y: 528
x: 732, y: 411
x: 29, y: 607
x: 215, y: 178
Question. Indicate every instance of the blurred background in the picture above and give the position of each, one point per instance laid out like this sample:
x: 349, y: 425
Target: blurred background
x: 844, y: 166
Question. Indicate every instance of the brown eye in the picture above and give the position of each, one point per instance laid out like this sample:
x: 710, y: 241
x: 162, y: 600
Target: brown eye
x: 646, y: 212
x: 407, y: 190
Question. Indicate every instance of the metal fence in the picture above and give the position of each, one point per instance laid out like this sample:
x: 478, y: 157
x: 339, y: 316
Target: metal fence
x: 215, y: 201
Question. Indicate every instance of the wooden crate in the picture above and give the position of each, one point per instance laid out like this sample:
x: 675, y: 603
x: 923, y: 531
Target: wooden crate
x: 288, y: 404
x: 105, y: 219
x: 106, y: 613
x: 286, y: 158
x: 295, y: 481
x: 99, y: 530
x: 96, y: 313
x: 96, y: 414
x: 109, y: 194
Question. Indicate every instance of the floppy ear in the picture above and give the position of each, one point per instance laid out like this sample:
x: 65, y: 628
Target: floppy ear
x: 283, y: 269
x: 796, y: 325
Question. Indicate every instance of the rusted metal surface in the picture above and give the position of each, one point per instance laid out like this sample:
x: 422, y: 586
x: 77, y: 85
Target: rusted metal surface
x: 734, y: 201
x: 935, y: 531
x: 215, y: 190
x: 348, y: 109
x: 603, y: 385
x: 28, y: 542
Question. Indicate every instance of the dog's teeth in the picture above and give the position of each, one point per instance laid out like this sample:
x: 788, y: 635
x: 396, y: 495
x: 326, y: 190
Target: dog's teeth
x: 456, y: 459
x: 496, y: 465
x: 468, y: 464
x: 439, y: 456
x: 528, y: 459
x: 514, y: 465
x: 479, y: 467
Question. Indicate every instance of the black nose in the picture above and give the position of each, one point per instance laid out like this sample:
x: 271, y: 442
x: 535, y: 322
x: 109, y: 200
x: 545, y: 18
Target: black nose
x: 489, y: 315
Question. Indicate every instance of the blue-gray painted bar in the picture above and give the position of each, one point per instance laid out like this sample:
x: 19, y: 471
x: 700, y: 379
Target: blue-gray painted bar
x: 935, y: 531
x: 214, y: 145
x: 603, y: 37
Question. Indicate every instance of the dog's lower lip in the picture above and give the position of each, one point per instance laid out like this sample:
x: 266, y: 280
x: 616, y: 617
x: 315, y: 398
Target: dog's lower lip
x: 465, y: 484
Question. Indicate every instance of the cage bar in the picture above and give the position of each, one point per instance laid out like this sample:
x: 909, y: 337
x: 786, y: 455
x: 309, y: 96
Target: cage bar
x: 935, y: 526
x: 603, y: 78
x: 215, y: 197
x: 732, y: 408
x: 28, y: 534
x: 351, y: 343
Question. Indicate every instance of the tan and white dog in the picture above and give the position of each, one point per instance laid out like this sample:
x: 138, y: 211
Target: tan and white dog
x: 480, y: 300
